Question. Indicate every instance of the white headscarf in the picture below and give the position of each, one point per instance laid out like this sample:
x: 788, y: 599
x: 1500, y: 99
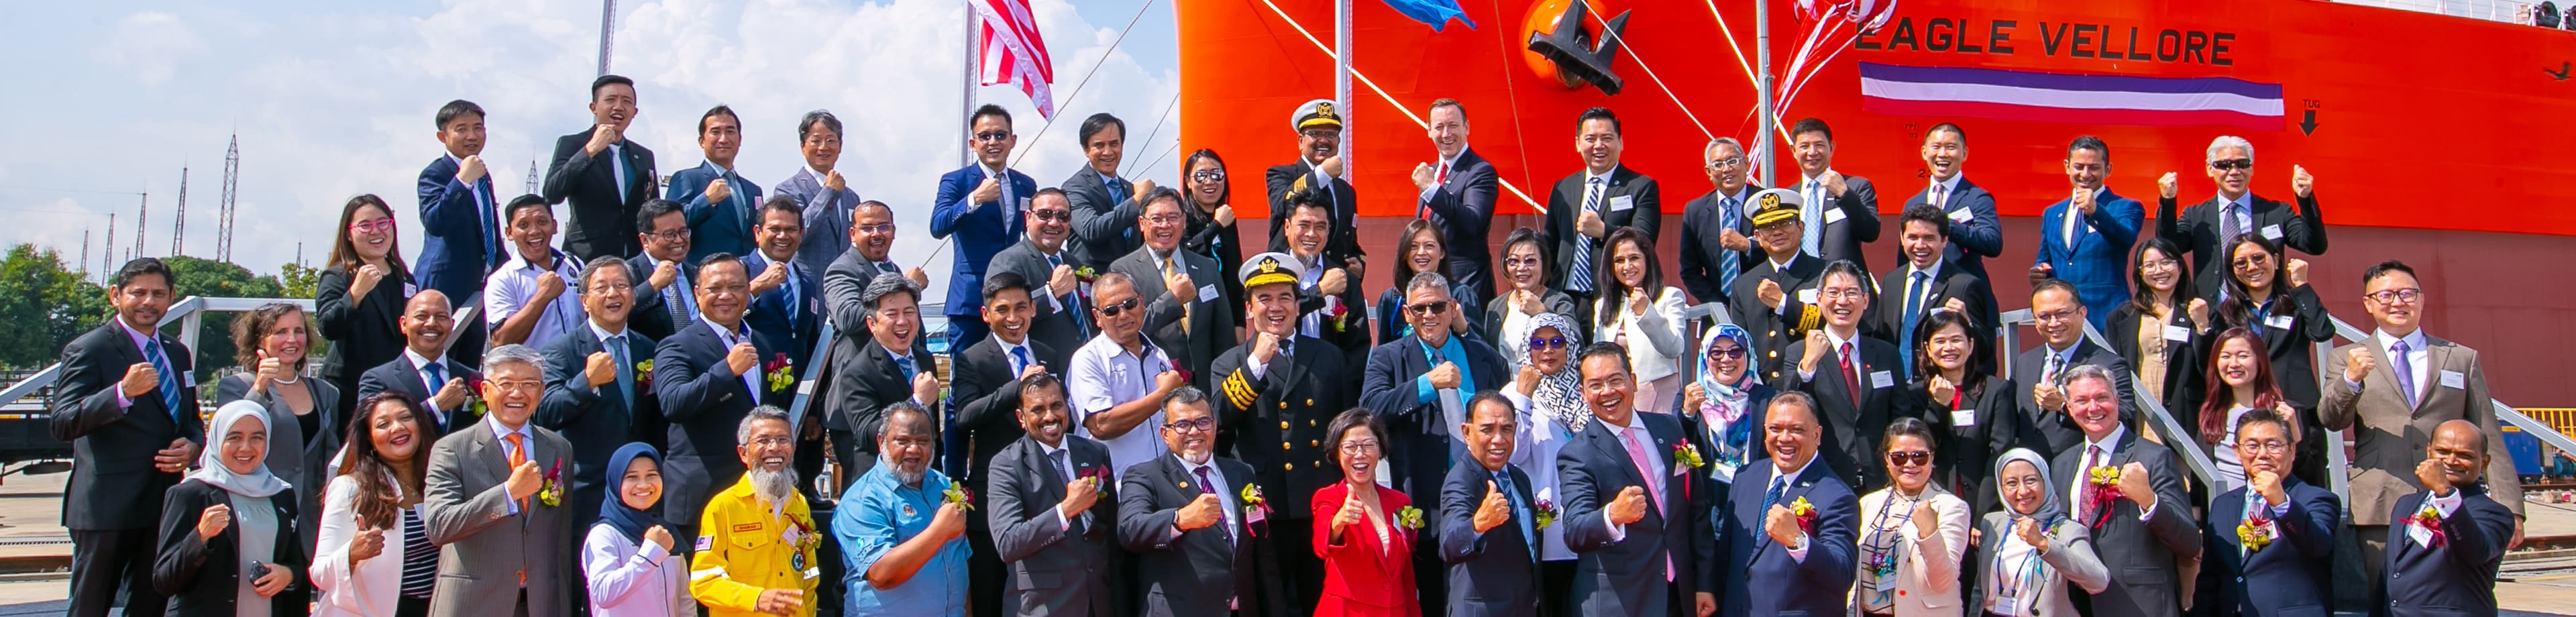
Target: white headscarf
x: 210, y: 467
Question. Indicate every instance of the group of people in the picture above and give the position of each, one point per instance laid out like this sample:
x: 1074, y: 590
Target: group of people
x: 1119, y: 425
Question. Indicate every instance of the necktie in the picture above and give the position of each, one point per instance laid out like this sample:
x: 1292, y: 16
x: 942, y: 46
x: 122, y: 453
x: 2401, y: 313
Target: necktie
x: 437, y: 376
x: 1814, y: 218
x: 625, y: 370
x: 1207, y: 486
x: 1073, y: 524
x: 1579, y: 276
x: 1069, y: 300
x: 1638, y: 456
x: 491, y: 228
x: 1019, y: 361
x: 2056, y: 362
x: 171, y: 395
x: 795, y: 301
x: 1503, y: 482
x: 1852, y: 379
x: 2092, y: 459
x: 1441, y: 178
x: 1940, y: 196
x: 617, y: 162
x: 1779, y: 485
x: 1729, y: 263
x: 518, y: 456
x: 2405, y: 371
x: 2228, y: 228
x: 677, y: 299
x: 1913, y: 314
x: 904, y: 363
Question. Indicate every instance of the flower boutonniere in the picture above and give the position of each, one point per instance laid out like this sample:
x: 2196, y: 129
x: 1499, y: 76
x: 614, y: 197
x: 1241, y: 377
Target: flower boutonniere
x: 1686, y: 458
x: 2255, y: 533
x: 1099, y: 477
x: 1340, y: 317
x: 776, y: 372
x: 1546, y: 514
x: 1175, y: 367
x: 1806, y: 513
x: 2101, y: 487
x: 1410, y: 517
x: 1085, y: 274
x: 644, y: 374
x: 2430, y: 519
x: 1251, y: 495
x: 958, y: 494
x: 550, y: 491
x: 474, y: 396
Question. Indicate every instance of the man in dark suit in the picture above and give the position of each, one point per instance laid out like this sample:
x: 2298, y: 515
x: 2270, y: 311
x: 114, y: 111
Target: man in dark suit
x: 1854, y: 379
x: 1488, y: 520
x: 872, y: 233
x: 786, y: 305
x: 427, y: 329
x: 986, y: 385
x: 866, y: 381
x: 1585, y: 206
x: 2060, y: 322
x: 597, y: 378
x: 1717, y: 228
x: 1184, y: 317
x: 606, y: 176
x: 707, y: 377
x: 723, y: 207
x: 1330, y: 307
x: 1967, y: 210
x: 2085, y: 238
x: 2275, y: 534
x: 2142, y: 523
x: 1458, y: 198
x: 1104, y: 205
x: 1929, y: 281
x: 1201, y: 547
x: 665, y: 300
x: 1419, y: 386
x: 1841, y: 211
x: 1319, y: 142
x: 2206, y: 229
x: 1775, y: 299
x: 126, y: 401
x: 831, y: 208
x: 2445, y: 564
x: 1052, y: 517
x: 1790, y: 527
x: 1044, y: 260
x: 1291, y: 381
x: 1639, y: 525
x: 460, y: 235
x: 980, y: 205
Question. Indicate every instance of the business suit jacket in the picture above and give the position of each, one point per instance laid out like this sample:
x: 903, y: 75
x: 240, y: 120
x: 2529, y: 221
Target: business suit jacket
x: 719, y: 226
x: 2140, y: 555
x: 1056, y: 568
x: 705, y: 404
x: 981, y: 229
x: 596, y: 421
x: 2182, y: 389
x: 1967, y: 448
x: 1852, y: 428
x: 1842, y: 240
x: 1420, y: 441
x: 114, y: 484
x: 1344, y: 242
x: 798, y: 325
x: 2098, y: 262
x: 1975, y: 232
x: 1765, y: 580
x: 1299, y: 394
x: 2292, y: 574
x: 1463, y: 210
x: 2196, y: 231
x: 827, y: 218
x: 1104, y: 220
x: 2394, y: 433
x: 865, y: 382
x: 1617, y: 575
x: 2456, y: 578
x: 2071, y: 561
x: 1491, y: 574
x: 987, y: 394
x: 401, y: 375
x: 302, y: 460
x: 1209, y: 328
x: 1702, y: 252
x: 1951, y: 281
x: 483, y: 547
x: 1557, y: 229
x: 1061, y: 329
x: 599, y: 223
x: 650, y: 314
x: 453, y: 234
x: 1194, y: 572
x: 200, y: 575
x: 2050, y: 432
x: 1360, y: 577
x: 1774, y: 330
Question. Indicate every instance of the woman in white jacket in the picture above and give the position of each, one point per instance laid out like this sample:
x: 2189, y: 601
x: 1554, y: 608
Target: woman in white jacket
x: 1912, y: 533
x: 2032, y: 551
x: 1547, y: 392
x: 373, y: 555
x: 1637, y: 311
x: 627, y: 556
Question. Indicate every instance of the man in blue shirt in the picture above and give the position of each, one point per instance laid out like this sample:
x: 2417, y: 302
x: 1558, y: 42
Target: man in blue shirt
x: 903, y: 543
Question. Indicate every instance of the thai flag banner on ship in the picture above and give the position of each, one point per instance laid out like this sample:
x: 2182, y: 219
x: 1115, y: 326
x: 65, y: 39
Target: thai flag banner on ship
x: 2070, y: 98
x: 1008, y: 50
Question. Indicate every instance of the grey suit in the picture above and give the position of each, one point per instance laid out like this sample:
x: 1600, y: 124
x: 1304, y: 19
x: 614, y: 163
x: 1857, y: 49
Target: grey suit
x: 2394, y: 434
x: 827, y: 218
x: 1195, y: 343
x: 2140, y: 555
x: 1057, y: 568
x: 1060, y: 330
x: 484, y: 548
x: 1104, y: 224
x: 2070, y: 559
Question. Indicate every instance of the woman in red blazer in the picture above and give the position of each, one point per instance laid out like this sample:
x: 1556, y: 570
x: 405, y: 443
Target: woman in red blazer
x: 1364, y: 532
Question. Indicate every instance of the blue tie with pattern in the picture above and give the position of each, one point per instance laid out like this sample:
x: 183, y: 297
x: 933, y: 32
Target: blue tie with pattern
x: 170, y: 392
x: 1579, y: 277
x: 1729, y: 263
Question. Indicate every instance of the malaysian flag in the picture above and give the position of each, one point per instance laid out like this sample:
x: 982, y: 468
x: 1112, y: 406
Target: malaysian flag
x: 1009, y: 51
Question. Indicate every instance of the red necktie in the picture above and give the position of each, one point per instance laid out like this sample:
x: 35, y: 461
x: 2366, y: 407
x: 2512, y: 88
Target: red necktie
x: 1443, y: 176
x: 1850, y: 379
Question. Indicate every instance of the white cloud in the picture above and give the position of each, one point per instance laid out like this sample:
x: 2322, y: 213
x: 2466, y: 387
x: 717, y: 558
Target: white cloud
x: 151, y: 44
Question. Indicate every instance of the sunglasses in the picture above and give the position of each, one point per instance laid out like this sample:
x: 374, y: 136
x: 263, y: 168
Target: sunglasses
x: 993, y: 135
x: 1428, y: 308
x: 1907, y: 459
x: 1553, y: 342
x: 2232, y: 164
x: 1053, y: 216
x: 1112, y: 310
x: 1730, y: 353
x: 1208, y: 175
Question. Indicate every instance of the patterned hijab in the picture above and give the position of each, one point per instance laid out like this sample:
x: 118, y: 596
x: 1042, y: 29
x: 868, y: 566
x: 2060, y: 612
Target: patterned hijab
x: 1725, y: 410
x: 1560, y: 394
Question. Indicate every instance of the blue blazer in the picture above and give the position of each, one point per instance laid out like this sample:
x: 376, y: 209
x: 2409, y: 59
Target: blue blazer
x: 795, y: 326
x: 1971, y: 241
x: 705, y: 406
x: 719, y: 227
x: 1419, y: 456
x: 2292, y: 571
x: 453, y: 235
x: 1492, y: 574
x: 595, y: 421
x: 982, y: 230
x: 1624, y: 576
x: 2457, y: 578
x: 2098, y: 263
x: 1765, y: 581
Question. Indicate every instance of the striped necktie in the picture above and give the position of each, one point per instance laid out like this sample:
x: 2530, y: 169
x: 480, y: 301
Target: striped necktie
x: 1579, y: 274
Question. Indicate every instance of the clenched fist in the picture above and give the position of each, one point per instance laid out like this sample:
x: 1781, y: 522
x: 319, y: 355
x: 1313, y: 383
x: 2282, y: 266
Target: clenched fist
x: 770, y: 278
x: 599, y: 369
x: 549, y: 286
x: 451, y: 395
x: 1769, y: 291
x: 1225, y: 215
x: 664, y: 275
x: 1331, y: 166
x: 2357, y: 364
x: 1782, y: 525
x: 832, y: 180
x: 470, y: 168
x: 2082, y: 199
x: 1333, y: 282
x: 925, y: 388
x: 742, y: 358
x: 1422, y: 177
x: 989, y: 190
x: 2268, y: 484
x: 1589, y: 224
x: 718, y: 190
x: 2168, y: 185
x: 2137, y: 485
x: 2300, y: 182
x: 1443, y: 376
x: 601, y: 137
x: 1201, y: 513
x: 1733, y: 240
x: 1817, y: 343
x: 213, y: 521
x: 1629, y: 507
x: 2298, y: 271
x: 140, y: 379
x: 1143, y: 187
x: 525, y: 479
x: 1079, y: 495
x: 2432, y: 476
x: 1834, y: 185
x: 1062, y: 281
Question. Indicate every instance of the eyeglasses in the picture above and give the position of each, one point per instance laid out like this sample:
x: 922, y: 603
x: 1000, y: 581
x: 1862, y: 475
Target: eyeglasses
x: 2231, y: 164
x: 1909, y: 459
x: 374, y: 226
x: 2054, y: 316
x: 1553, y: 342
x: 1112, y: 310
x: 1427, y: 309
x: 1846, y: 293
x: 878, y: 229
x: 1521, y: 262
x: 669, y: 235
x: 523, y: 385
x: 2256, y: 260
x: 1208, y: 175
x: 993, y: 135
x: 772, y: 442
x: 1185, y: 426
x: 1359, y: 447
x: 1730, y: 353
x: 1162, y: 219
x: 2393, y: 296
x: 1726, y: 163
x: 1053, y: 216
x: 1322, y: 134
x: 2258, y: 447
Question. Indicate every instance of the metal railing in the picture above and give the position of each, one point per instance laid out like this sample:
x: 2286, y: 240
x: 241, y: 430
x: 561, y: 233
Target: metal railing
x: 2150, y: 407
x: 190, y: 313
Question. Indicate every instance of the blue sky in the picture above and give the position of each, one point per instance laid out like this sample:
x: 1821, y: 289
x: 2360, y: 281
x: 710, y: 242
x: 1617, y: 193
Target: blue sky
x: 333, y: 99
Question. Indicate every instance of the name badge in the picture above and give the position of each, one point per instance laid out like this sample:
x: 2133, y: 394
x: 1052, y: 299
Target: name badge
x: 2454, y: 380
x: 2178, y: 334
x: 1835, y: 215
x: 1207, y: 292
x: 2278, y: 322
x: 1806, y: 296
x: 1024, y: 204
x: 190, y: 377
x: 410, y: 289
x: 1963, y: 418
x: 806, y: 387
x: 2272, y: 232
x: 1962, y: 215
x: 1881, y: 379
x: 1623, y: 203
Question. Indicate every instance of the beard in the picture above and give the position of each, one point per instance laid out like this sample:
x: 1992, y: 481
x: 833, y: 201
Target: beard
x: 906, y: 475
x: 772, y: 486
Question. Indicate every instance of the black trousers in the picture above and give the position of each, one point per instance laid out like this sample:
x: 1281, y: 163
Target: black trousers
x: 984, y: 568
x: 101, y: 560
x: 1556, y: 588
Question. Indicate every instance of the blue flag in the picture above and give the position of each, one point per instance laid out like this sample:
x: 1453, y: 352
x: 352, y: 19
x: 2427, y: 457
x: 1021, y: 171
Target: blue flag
x: 1437, y: 13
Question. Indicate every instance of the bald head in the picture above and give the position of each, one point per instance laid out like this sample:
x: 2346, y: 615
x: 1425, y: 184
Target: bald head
x: 2459, y: 449
x: 426, y: 323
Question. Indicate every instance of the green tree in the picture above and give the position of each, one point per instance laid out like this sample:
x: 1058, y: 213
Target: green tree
x: 298, y: 279
x: 201, y: 277
x: 43, y: 305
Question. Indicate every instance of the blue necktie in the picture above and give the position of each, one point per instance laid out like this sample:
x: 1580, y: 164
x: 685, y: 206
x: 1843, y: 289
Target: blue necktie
x: 437, y: 377
x: 1019, y: 361
x: 1778, y: 485
x: 1813, y: 242
x: 625, y: 372
x: 491, y: 228
x: 1913, y: 313
x: 1729, y: 263
x: 1579, y: 279
x: 795, y: 302
x: 1071, y: 300
x: 170, y: 393
x: 1503, y: 482
x: 905, y: 364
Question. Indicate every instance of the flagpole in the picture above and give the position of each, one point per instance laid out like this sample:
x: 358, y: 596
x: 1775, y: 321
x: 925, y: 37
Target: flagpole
x: 1342, y: 82
x: 966, y: 92
x: 1762, y: 90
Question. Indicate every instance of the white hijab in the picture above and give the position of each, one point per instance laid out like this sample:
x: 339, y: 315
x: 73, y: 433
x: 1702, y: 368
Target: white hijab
x: 210, y: 466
